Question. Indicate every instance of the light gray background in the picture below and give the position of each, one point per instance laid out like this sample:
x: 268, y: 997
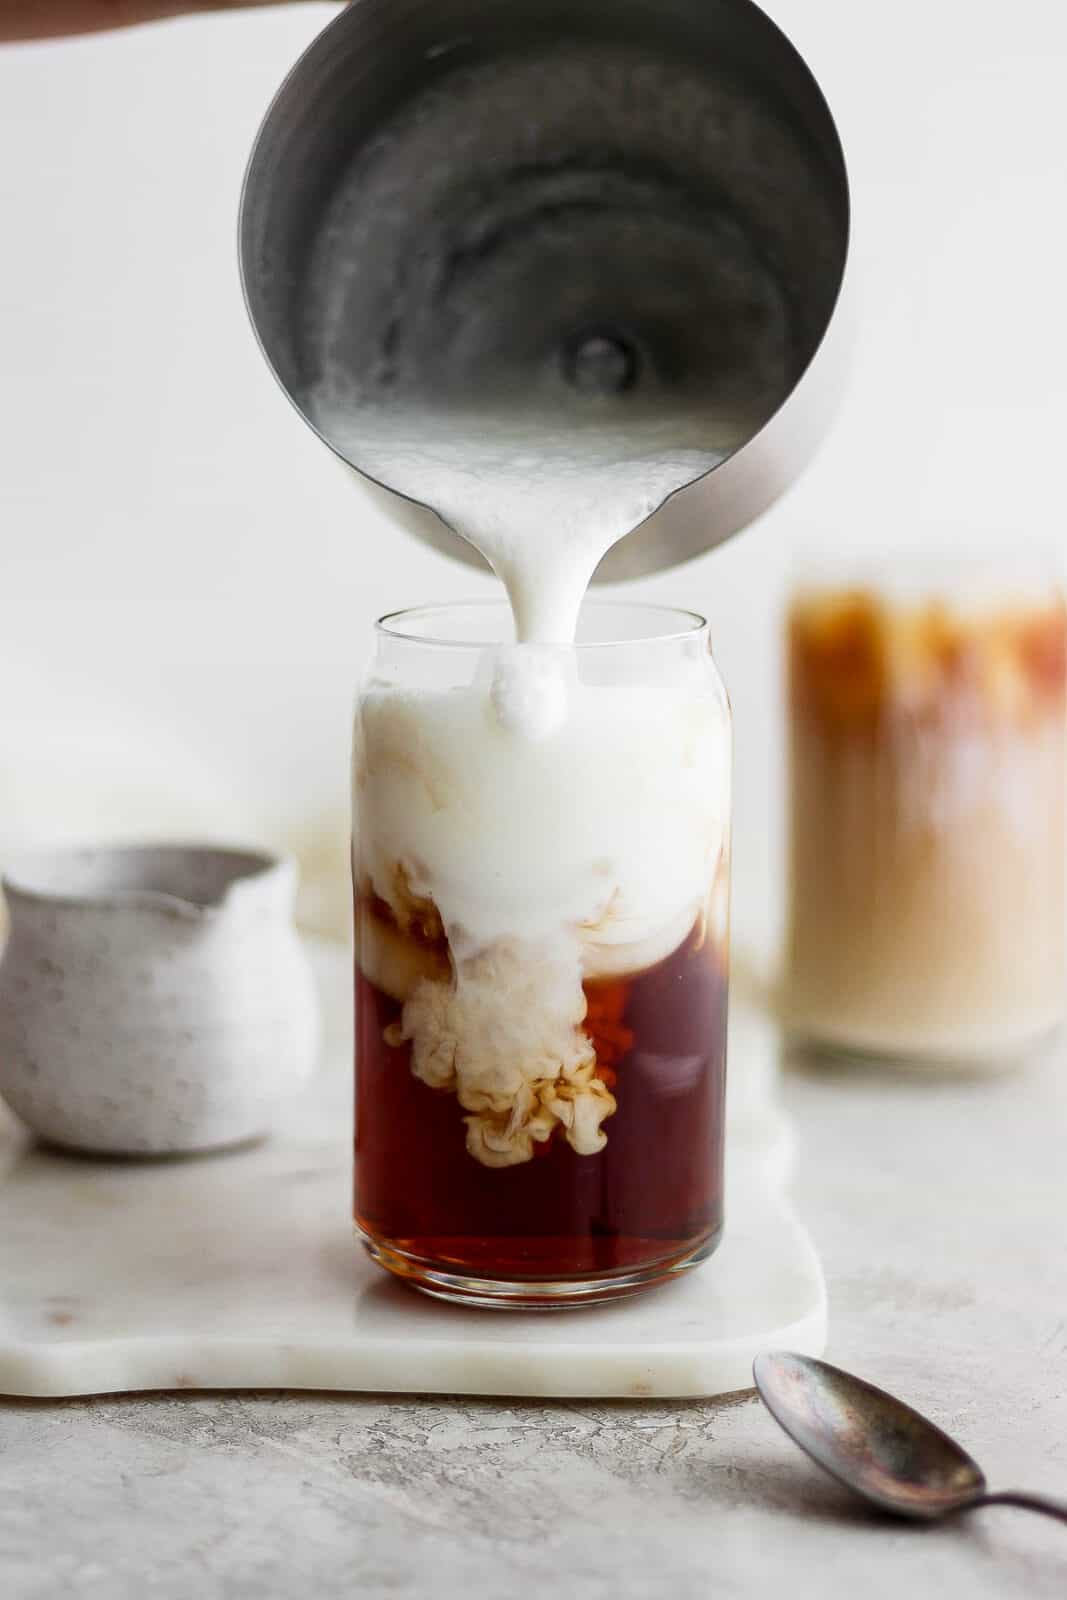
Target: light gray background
x: 188, y: 585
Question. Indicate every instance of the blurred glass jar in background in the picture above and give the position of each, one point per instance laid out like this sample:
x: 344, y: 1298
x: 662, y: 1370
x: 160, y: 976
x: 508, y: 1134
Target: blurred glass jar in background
x: 927, y: 812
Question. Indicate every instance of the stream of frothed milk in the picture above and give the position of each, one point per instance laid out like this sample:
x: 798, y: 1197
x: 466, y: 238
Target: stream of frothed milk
x: 542, y: 506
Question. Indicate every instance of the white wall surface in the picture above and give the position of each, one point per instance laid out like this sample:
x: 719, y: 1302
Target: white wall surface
x: 189, y: 578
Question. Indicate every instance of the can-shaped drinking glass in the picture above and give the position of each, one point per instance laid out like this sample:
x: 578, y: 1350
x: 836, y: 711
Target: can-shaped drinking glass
x: 541, y: 870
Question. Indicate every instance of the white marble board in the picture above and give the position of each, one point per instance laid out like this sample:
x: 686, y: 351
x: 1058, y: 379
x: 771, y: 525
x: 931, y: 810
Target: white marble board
x: 240, y: 1271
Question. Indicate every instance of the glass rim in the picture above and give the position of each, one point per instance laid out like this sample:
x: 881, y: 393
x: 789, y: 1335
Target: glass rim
x: 917, y: 567
x: 386, y: 626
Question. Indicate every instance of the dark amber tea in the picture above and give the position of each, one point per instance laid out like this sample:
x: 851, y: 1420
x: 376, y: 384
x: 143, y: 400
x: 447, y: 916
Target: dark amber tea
x: 651, y: 1197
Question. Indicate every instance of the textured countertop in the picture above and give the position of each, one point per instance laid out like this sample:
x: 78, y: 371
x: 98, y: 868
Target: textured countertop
x: 940, y: 1210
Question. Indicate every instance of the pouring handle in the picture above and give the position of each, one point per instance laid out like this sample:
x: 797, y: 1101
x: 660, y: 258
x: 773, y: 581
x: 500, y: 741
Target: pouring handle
x: 1029, y: 1502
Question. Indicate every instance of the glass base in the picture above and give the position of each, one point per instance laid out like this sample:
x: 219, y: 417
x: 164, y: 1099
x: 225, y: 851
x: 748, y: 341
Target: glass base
x: 533, y: 1294
x: 925, y: 1061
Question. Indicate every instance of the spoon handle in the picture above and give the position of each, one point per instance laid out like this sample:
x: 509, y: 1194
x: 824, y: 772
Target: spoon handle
x: 1029, y: 1502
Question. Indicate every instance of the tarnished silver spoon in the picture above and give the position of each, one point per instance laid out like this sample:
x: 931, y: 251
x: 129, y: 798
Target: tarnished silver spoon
x: 875, y: 1444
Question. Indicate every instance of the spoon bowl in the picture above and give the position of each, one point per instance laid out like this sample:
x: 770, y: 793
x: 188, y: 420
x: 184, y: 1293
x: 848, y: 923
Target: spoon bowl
x: 874, y: 1444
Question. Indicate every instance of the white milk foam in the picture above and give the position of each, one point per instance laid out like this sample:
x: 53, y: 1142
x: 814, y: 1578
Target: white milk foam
x: 589, y: 851
x: 609, y: 827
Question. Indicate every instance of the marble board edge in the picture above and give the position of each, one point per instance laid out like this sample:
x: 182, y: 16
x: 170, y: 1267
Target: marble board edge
x: 675, y: 1370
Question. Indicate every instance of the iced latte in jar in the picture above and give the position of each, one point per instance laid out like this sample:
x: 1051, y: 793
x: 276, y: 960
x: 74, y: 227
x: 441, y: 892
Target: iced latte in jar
x: 927, y: 818
x: 541, y: 877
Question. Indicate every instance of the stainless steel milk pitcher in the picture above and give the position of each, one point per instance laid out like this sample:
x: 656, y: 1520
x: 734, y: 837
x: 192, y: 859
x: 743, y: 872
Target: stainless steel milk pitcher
x: 571, y: 212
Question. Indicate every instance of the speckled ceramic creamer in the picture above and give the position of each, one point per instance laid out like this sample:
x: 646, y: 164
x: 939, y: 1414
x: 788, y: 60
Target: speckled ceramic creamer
x: 153, y: 1000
